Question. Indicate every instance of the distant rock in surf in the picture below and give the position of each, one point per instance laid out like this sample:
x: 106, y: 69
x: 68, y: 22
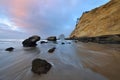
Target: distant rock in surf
x: 31, y: 41
x: 51, y: 50
x: 62, y: 43
x: 52, y: 38
x: 9, y: 49
x: 69, y: 42
x: 40, y: 66
x: 42, y: 42
x: 61, y: 37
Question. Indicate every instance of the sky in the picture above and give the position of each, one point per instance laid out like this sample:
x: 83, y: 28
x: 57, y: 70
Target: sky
x: 22, y: 18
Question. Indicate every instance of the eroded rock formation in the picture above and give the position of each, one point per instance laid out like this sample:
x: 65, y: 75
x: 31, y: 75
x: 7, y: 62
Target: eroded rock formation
x: 104, y: 20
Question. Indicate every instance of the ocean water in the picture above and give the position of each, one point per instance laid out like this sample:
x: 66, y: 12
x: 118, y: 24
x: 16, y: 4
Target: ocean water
x: 75, y: 61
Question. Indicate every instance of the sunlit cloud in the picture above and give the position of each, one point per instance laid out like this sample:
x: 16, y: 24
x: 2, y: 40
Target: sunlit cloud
x: 6, y: 24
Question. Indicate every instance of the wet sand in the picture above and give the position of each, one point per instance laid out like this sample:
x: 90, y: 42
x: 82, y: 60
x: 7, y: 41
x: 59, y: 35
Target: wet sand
x: 101, y: 58
x: 75, y: 61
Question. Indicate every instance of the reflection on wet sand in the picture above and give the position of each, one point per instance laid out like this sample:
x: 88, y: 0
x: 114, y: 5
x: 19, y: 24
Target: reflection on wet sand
x: 75, y: 61
x: 101, y: 58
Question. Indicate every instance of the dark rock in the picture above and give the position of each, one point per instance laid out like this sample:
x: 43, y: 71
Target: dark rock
x: 62, y: 43
x: 42, y: 42
x: 9, y: 49
x: 31, y: 41
x: 52, y: 38
x: 51, y: 50
x: 68, y: 39
x: 69, y: 42
x: 40, y: 66
x: 105, y: 39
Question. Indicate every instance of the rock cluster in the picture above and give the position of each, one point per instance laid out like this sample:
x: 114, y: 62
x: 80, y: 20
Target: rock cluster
x: 31, y: 41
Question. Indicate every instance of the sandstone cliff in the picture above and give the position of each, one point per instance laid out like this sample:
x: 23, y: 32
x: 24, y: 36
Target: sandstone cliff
x: 104, y: 20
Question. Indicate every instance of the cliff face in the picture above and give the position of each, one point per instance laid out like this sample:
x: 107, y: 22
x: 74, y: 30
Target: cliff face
x: 104, y: 20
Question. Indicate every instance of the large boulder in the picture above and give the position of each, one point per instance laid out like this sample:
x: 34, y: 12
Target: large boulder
x: 31, y: 41
x: 52, y: 38
x: 40, y: 66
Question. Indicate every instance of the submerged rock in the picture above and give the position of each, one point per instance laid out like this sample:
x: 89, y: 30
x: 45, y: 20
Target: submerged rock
x: 31, y: 41
x: 51, y: 50
x: 40, y: 66
x: 9, y: 49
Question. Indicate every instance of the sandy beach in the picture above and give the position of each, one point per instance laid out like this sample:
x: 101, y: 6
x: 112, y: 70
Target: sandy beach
x: 75, y: 61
